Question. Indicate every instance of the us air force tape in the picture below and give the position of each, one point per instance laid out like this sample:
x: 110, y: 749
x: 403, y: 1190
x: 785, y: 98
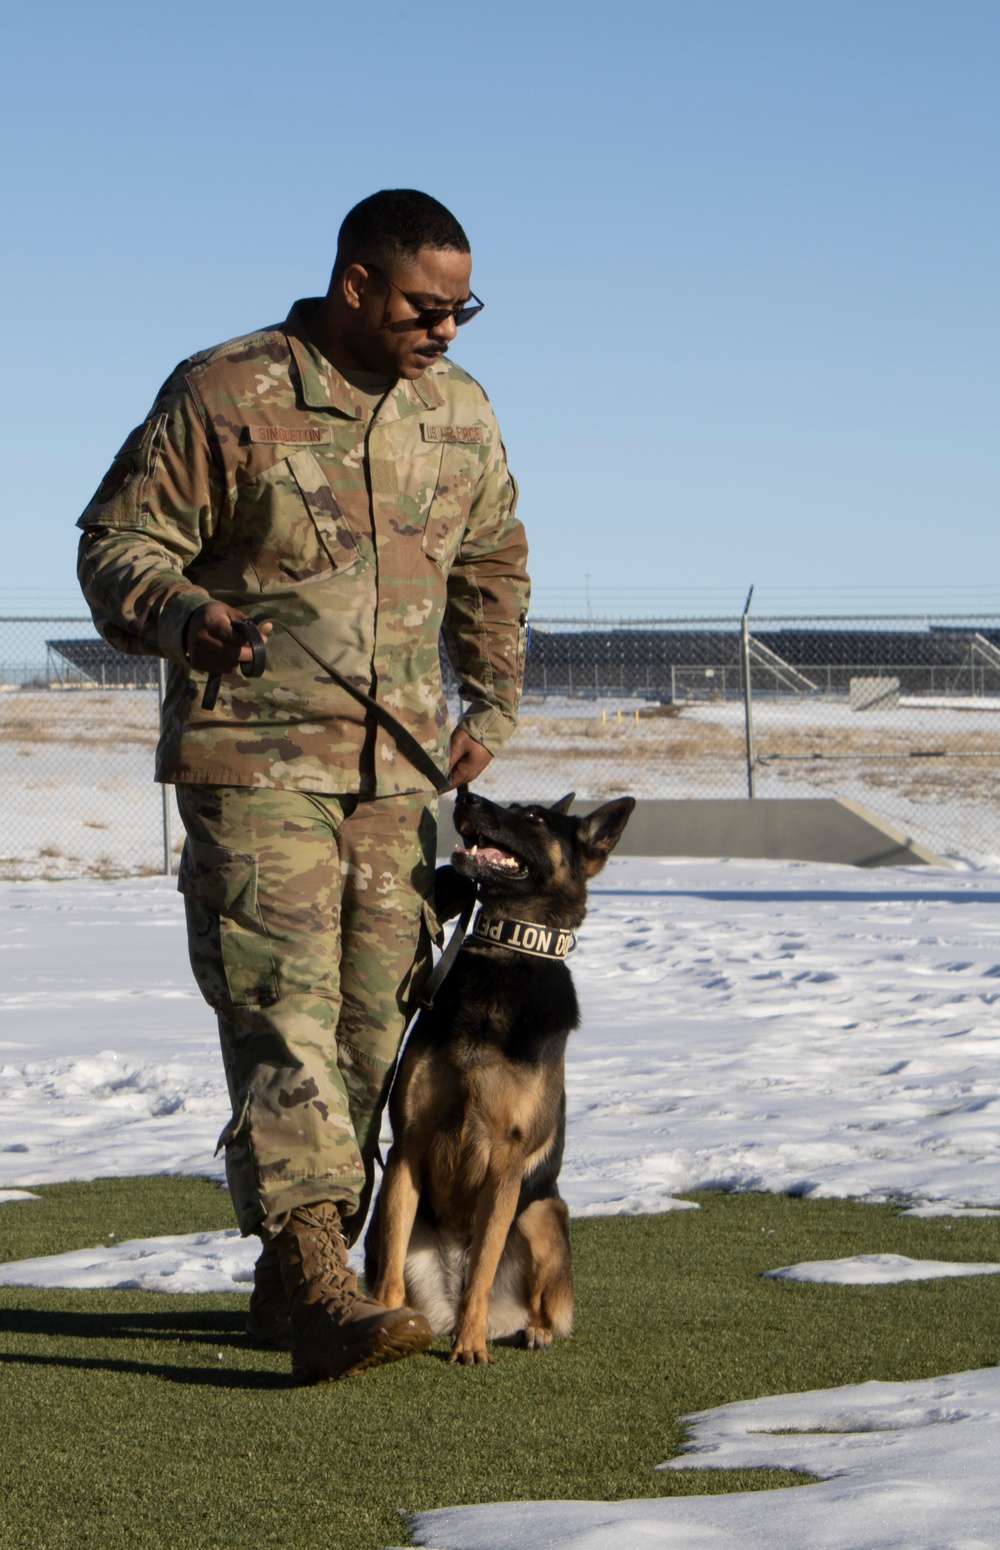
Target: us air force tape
x: 523, y: 936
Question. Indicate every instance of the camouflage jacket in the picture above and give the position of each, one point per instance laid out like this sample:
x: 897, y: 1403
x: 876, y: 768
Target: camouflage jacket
x: 261, y: 478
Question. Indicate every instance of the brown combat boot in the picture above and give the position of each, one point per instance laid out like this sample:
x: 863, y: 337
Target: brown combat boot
x: 269, y: 1320
x: 335, y: 1332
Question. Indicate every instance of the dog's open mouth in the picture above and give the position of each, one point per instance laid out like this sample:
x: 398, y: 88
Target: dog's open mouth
x: 490, y: 858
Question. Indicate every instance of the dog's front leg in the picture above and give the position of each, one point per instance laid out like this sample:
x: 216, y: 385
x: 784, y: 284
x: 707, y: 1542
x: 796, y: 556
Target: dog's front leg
x: 495, y: 1210
x: 398, y: 1200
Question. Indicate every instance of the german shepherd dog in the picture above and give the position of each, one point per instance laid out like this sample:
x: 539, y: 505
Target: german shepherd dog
x: 469, y: 1227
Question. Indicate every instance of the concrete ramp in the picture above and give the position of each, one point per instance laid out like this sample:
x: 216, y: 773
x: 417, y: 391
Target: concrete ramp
x: 780, y: 829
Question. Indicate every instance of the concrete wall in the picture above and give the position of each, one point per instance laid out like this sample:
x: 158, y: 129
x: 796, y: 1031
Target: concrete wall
x: 807, y: 829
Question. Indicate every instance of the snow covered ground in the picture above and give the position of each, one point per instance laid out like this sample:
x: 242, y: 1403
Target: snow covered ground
x: 748, y: 1025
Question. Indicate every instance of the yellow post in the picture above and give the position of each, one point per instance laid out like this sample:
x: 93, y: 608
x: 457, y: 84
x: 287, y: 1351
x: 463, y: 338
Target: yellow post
x: 619, y: 715
x: 604, y: 718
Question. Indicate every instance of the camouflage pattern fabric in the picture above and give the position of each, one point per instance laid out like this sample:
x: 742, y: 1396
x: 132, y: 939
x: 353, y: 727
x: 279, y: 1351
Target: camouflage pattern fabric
x: 263, y: 479
x: 305, y: 914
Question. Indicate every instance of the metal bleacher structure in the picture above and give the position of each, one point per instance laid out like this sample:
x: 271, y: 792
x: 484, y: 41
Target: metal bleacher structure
x: 91, y: 660
x: 667, y: 665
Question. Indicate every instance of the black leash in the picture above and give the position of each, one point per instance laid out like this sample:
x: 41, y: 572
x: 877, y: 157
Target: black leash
x: 432, y: 984
x: 252, y: 669
x: 424, y: 1000
x: 405, y: 741
x: 413, y: 751
x: 403, y: 738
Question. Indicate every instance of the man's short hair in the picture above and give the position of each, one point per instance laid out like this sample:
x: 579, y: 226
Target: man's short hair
x: 393, y: 224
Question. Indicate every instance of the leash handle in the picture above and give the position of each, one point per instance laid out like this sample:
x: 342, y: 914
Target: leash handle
x: 252, y: 669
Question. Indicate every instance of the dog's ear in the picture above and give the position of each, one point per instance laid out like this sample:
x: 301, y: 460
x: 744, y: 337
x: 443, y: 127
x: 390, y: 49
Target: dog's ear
x: 601, y: 830
x: 564, y: 803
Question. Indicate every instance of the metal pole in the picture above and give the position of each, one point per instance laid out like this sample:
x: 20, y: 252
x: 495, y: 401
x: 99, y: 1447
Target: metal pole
x: 747, y: 697
x: 168, y: 860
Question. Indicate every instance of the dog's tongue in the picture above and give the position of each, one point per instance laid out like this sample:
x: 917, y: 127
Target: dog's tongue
x: 489, y: 853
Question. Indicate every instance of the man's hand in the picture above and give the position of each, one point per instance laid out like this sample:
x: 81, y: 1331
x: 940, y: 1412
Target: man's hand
x: 466, y: 759
x: 209, y: 640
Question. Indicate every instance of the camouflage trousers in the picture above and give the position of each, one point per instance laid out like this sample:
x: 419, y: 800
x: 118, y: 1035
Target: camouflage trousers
x: 309, y: 920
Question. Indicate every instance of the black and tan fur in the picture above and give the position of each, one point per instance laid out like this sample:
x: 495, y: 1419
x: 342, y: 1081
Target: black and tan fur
x: 469, y: 1228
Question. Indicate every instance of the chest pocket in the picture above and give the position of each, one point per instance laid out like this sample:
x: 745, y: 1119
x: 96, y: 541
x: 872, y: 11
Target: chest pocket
x: 448, y: 513
x: 290, y: 526
x: 332, y: 527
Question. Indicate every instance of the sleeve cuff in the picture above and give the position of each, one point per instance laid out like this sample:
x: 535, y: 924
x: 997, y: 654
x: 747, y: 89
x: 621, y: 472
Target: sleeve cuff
x: 172, y: 623
x: 488, y: 726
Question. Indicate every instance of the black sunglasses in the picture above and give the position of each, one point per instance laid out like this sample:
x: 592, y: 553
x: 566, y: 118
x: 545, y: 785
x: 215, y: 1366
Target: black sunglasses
x: 430, y: 317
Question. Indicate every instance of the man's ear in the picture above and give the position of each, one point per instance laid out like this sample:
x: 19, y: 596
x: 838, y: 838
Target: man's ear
x: 351, y: 285
x: 601, y: 830
x: 564, y: 803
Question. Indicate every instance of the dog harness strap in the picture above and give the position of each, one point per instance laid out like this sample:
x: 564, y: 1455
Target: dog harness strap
x: 522, y: 936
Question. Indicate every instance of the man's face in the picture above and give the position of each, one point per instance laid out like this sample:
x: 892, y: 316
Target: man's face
x: 385, y: 331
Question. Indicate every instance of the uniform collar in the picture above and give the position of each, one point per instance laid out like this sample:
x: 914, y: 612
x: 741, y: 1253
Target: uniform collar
x: 323, y: 387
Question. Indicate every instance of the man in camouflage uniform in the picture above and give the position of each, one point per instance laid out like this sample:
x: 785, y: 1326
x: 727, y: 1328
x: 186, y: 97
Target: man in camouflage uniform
x: 337, y: 477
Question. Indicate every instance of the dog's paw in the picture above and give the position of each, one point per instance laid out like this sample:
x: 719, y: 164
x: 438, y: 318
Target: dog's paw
x: 468, y: 1354
x: 536, y: 1338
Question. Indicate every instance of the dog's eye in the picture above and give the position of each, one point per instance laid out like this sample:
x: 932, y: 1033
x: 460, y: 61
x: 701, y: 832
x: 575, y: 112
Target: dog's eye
x: 534, y: 816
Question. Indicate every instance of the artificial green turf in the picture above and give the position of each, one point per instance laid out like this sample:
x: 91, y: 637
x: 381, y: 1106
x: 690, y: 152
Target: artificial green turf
x: 138, y: 1420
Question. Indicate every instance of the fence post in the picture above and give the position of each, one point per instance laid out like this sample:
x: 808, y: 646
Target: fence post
x: 168, y: 860
x: 747, y: 696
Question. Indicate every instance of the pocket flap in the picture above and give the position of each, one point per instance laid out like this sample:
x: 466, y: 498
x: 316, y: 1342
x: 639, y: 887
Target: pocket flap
x: 450, y: 507
x: 222, y: 880
x: 329, y: 521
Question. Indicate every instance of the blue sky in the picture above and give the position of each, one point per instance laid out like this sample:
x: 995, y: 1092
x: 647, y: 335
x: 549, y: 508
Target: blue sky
x: 740, y: 261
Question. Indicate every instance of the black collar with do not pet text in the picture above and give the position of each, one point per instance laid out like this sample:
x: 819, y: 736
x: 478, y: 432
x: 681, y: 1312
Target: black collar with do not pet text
x: 521, y: 936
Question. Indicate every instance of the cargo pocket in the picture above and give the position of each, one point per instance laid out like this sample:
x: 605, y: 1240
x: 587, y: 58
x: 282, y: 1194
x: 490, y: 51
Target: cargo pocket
x: 230, y: 951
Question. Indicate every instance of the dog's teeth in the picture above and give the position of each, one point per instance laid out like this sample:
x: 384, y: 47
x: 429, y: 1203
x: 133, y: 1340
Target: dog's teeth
x: 474, y: 851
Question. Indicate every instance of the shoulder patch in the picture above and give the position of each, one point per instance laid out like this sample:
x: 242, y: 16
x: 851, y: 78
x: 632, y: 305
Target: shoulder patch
x: 133, y: 462
x: 116, y: 478
x: 462, y: 433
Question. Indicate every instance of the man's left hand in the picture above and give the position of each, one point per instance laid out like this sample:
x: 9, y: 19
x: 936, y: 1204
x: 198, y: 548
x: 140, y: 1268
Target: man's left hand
x: 466, y: 759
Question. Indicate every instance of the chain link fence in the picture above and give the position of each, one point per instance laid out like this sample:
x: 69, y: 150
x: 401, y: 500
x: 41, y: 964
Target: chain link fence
x: 901, y: 714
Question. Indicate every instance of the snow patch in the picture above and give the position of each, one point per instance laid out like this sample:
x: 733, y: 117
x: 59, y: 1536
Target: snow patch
x: 878, y: 1270
x: 899, y: 1466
